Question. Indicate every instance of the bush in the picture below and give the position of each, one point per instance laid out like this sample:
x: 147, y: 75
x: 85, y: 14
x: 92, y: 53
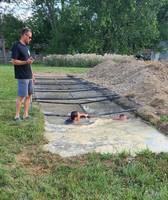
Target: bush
x: 82, y: 60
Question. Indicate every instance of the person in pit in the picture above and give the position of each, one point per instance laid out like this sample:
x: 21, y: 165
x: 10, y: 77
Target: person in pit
x: 75, y: 116
x: 121, y: 117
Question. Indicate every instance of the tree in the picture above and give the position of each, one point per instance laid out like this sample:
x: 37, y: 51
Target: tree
x: 45, y: 14
x: 11, y: 29
x: 67, y: 31
x: 163, y: 21
x: 6, y: 7
x: 122, y: 26
x: 98, y: 26
x: 2, y: 39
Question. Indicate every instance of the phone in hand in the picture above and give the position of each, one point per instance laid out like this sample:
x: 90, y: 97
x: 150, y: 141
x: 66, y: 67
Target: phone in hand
x: 33, y: 57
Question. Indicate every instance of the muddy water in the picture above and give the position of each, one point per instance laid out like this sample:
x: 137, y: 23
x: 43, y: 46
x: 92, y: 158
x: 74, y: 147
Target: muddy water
x: 102, y: 135
x: 98, y: 134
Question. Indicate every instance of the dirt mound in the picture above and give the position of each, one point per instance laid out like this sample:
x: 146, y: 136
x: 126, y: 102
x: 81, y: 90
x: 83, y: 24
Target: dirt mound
x: 145, y: 82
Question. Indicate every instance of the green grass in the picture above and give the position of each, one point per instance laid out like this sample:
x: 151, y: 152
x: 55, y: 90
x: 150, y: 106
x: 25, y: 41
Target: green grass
x: 29, y: 173
x: 164, y: 118
x: 50, y: 69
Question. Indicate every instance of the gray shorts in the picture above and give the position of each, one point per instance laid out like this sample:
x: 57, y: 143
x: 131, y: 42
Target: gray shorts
x: 25, y: 87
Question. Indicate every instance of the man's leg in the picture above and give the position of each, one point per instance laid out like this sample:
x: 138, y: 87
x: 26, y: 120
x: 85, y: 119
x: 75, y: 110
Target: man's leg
x: 18, y: 105
x: 26, y: 106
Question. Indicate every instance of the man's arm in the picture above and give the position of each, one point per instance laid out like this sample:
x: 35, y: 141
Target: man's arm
x: 34, y: 79
x: 19, y: 62
x: 84, y: 115
x: 22, y: 62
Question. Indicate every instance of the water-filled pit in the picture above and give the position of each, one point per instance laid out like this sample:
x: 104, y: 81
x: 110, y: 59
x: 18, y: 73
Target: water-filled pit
x: 100, y: 133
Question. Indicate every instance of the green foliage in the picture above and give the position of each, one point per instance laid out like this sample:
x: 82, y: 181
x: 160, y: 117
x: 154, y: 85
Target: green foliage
x: 66, y: 33
x: 110, y: 26
x: 164, y: 118
x: 85, y: 26
x: 163, y: 22
x: 41, y: 28
x: 12, y: 27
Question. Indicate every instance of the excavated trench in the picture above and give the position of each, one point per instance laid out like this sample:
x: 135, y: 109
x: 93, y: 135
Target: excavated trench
x: 59, y: 96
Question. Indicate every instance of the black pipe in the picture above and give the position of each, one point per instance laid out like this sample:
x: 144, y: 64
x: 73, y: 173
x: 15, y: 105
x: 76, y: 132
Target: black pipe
x: 52, y: 78
x: 75, y: 98
x: 112, y: 113
x: 59, y: 90
x: 86, y: 102
x: 82, y: 108
x: 55, y: 115
x: 58, y: 83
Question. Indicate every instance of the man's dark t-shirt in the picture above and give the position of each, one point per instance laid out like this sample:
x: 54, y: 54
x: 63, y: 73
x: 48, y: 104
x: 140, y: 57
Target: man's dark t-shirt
x: 68, y: 121
x: 21, y: 52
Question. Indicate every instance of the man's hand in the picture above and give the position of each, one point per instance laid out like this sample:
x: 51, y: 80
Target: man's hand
x: 87, y: 116
x: 30, y: 61
x: 34, y: 80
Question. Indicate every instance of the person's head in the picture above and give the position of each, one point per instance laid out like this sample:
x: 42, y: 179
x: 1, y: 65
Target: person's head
x: 122, y: 117
x: 75, y: 116
x: 26, y: 35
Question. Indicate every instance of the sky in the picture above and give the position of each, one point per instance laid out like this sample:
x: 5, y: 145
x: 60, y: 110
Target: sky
x: 22, y: 10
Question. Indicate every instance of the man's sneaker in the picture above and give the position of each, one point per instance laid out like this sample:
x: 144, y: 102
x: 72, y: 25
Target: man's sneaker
x: 28, y: 117
x: 17, y: 119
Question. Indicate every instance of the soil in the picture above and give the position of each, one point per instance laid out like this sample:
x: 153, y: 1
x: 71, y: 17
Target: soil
x: 145, y: 82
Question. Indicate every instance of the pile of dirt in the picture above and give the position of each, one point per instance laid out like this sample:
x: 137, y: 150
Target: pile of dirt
x: 144, y: 82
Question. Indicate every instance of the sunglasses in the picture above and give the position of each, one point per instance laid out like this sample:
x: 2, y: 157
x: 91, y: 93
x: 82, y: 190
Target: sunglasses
x: 29, y: 36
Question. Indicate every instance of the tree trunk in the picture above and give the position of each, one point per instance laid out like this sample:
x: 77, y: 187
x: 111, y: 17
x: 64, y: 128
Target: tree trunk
x: 2, y: 41
x: 4, y: 51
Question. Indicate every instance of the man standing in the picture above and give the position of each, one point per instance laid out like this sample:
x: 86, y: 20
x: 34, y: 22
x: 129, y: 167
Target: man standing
x: 22, y: 61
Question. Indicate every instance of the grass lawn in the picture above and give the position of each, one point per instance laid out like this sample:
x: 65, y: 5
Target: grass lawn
x: 29, y: 173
